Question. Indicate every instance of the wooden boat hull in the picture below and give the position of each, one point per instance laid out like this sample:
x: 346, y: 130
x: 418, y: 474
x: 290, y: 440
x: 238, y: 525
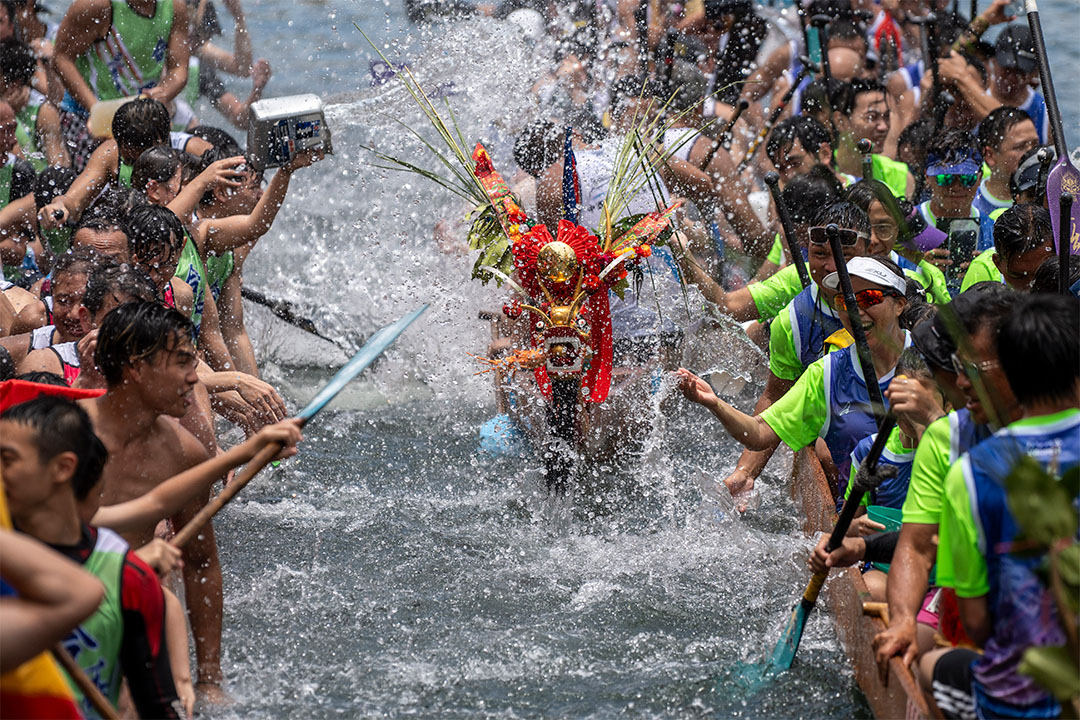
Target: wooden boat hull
x: 845, y: 593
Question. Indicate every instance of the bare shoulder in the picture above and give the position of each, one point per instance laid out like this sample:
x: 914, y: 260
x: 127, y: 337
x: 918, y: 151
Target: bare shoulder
x: 183, y: 448
x: 44, y: 360
x: 183, y: 295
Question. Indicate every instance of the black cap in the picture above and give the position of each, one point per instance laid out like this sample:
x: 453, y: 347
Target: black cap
x: 1015, y: 49
x: 934, y: 345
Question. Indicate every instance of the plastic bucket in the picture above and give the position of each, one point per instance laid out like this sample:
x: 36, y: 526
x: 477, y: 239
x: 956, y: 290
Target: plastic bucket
x: 891, y: 518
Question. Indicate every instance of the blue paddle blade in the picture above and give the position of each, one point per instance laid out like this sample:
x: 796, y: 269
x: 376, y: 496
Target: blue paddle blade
x: 373, y: 348
x: 784, y: 652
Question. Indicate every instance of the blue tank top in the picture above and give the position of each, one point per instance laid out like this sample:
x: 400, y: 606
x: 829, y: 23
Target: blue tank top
x: 964, y: 433
x: 1022, y: 609
x: 849, y: 418
x: 812, y: 320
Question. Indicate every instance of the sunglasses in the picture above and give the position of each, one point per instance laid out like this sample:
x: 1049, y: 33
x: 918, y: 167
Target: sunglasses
x: 818, y: 236
x: 963, y: 367
x: 865, y: 299
x: 965, y: 179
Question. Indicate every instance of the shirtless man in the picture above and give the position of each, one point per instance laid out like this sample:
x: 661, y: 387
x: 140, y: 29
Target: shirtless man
x: 146, y: 356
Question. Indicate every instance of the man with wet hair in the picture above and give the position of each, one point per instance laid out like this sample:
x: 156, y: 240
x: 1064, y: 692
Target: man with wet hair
x: 38, y: 129
x: 860, y: 111
x: 1023, y: 239
x: 1005, y: 605
x: 796, y: 145
x: 52, y: 462
x: 147, y: 358
x: 108, y: 286
x: 1005, y: 135
x: 103, y: 233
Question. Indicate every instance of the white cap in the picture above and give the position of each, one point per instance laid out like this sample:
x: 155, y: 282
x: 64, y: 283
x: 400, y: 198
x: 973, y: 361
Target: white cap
x: 868, y: 269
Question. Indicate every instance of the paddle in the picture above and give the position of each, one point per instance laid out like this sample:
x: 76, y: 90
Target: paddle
x: 723, y: 138
x: 768, y: 126
x: 284, y: 310
x: 866, y: 361
x: 1066, y: 202
x: 87, y: 687
x: 784, y: 652
x: 372, y: 349
x: 773, y: 181
x: 866, y: 149
x: 1064, y: 177
x: 821, y: 22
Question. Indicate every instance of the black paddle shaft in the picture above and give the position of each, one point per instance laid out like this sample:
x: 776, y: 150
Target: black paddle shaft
x: 821, y: 22
x: 807, y: 66
x: 1064, y: 241
x: 866, y: 360
x: 854, y: 499
x: 724, y: 137
x: 773, y: 181
x: 866, y: 149
x: 1046, y: 80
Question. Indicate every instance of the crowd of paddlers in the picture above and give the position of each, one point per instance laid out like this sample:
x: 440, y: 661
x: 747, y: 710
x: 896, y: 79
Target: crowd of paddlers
x: 873, y: 189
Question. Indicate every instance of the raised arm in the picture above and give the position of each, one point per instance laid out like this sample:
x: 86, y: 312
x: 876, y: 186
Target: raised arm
x: 753, y: 432
x: 85, y: 22
x: 174, y: 76
x: 100, y: 169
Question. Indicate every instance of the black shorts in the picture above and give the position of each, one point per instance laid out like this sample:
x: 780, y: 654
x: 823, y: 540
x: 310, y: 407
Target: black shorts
x: 952, y: 684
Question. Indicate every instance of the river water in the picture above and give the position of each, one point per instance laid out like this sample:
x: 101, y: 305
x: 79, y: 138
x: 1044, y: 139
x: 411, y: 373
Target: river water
x: 395, y: 570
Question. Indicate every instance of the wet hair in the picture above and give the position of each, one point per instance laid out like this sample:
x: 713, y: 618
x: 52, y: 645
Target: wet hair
x: 803, y: 128
x: 100, y: 223
x: 849, y: 216
x: 862, y: 194
x: 843, y: 99
x: 218, y: 138
x: 912, y: 364
x: 633, y: 87
x: 61, y: 426
x: 141, y: 124
x: 917, y: 136
x: 846, y: 29
x: 159, y: 164
x: 954, y: 145
x: 917, y: 311
x: 1039, y: 348
x: 995, y: 127
x: 808, y: 193
x: 1046, y: 277
x: 43, y: 377
x: 118, y: 279
x: 537, y: 147
x: 17, y: 62
x: 116, y: 203
x: 1022, y: 228
x: 192, y: 165
x: 51, y: 183
x: 815, y: 98
x: 154, y: 233
x: 76, y: 261
x: 137, y: 331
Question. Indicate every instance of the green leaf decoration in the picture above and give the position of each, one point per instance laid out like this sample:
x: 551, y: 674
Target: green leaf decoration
x: 486, y: 235
x: 1054, y: 669
x: 1071, y: 481
x: 1040, y: 503
x: 1068, y: 567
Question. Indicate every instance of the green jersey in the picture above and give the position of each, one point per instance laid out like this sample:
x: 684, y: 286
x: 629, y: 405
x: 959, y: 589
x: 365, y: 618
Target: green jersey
x: 772, y: 294
x: 26, y: 131
x: 191, y: 270
x: 131, y: 56
x: 982, y: 268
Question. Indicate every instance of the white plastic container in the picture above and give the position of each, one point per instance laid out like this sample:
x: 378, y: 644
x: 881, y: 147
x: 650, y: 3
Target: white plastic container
x: 279, y: 128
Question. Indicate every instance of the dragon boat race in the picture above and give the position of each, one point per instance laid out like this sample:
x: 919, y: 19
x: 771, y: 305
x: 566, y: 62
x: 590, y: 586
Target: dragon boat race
x: 510, y: 359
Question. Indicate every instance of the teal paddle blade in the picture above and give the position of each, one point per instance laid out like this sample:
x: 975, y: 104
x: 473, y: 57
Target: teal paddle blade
x: 784, y: 652
x: 373, y: 348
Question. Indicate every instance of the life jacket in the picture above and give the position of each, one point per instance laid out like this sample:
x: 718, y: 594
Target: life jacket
x: 1022, y: 608
x: 95, y: 644
x: 849, y: 417
x: 812, y: 321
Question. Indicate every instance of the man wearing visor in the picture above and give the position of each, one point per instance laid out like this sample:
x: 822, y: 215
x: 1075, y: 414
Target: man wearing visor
x: 830, y: 400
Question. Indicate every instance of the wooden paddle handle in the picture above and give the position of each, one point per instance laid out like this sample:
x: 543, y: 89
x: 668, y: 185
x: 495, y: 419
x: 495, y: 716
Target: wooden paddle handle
x: 101, y: 704
x: 257, y: 463
x: 877, y: 609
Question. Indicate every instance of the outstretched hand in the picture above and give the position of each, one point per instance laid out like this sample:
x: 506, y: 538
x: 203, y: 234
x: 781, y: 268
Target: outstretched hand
x: 694, y: 388
x: 285, y: 433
